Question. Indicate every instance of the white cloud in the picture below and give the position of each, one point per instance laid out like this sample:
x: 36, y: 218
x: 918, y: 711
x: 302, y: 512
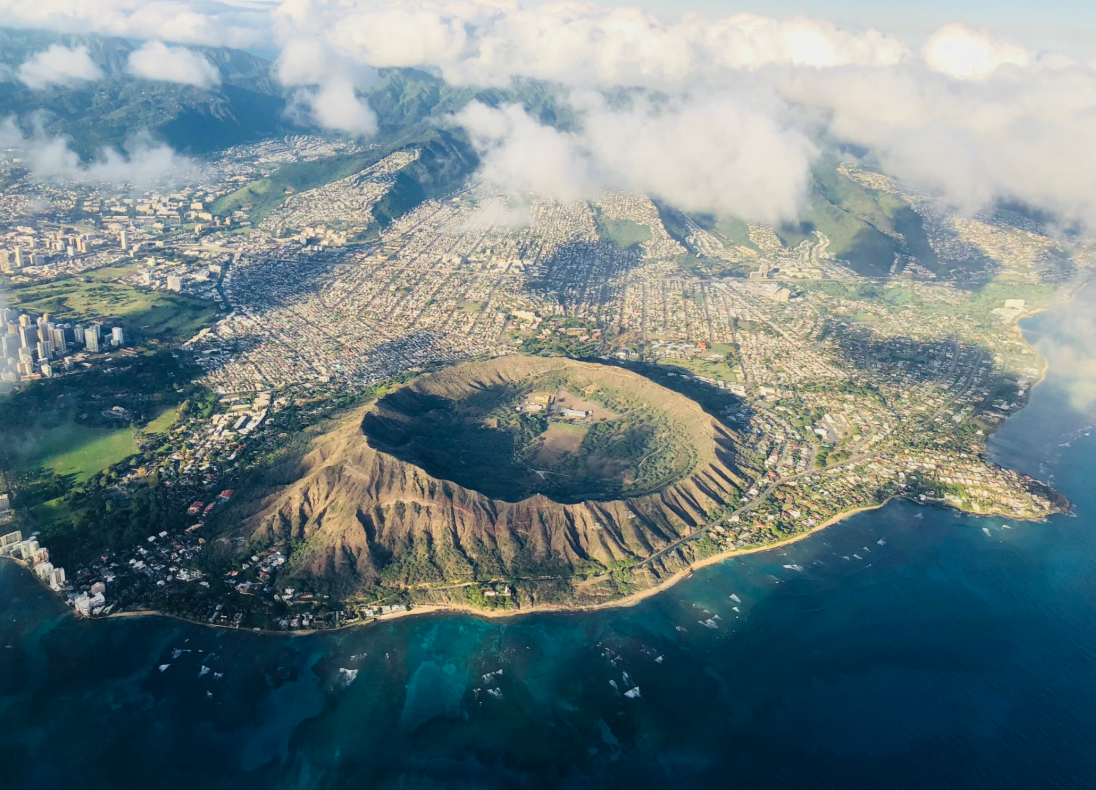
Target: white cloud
x: 712, y: 153
x: 959, y: 51
x: 144, y: 162
x: 157, y: 61
x: 970, y: 115
x: 715, y: 152
x: 487, y: 43
x: 235, y: 24
x: 328, y: 86
x: 520, y: 155
x: 335, y: 105
x: 59, y: 66
x: 1018, y: 134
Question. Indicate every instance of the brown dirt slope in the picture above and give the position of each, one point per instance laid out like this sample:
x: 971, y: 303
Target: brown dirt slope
x: 367, y: 519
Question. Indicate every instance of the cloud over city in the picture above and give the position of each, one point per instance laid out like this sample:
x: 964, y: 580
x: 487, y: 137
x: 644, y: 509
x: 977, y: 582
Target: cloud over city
x: 144, y: 162
x: 967, y: 113
x: 710, y: 153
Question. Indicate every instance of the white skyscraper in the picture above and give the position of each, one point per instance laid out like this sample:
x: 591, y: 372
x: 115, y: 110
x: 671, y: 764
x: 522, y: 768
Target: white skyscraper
x: 117, y: 336
x: 91, y: 339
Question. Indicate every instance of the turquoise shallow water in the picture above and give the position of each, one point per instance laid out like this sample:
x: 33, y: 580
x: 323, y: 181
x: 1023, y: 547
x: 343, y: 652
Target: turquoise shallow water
x: 907, y: 647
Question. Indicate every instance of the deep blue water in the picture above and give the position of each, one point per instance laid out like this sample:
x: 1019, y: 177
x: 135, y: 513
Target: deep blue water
x: 935, y: 656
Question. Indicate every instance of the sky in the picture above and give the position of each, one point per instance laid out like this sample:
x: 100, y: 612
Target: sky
x: 972, y: 101
x: 1062, y: 25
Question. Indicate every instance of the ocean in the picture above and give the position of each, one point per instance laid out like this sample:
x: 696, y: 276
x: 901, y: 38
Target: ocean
x: 909, y: 647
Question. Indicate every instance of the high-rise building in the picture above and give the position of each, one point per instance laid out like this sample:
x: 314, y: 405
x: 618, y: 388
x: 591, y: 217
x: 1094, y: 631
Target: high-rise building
x: 28, y: 336
x: 46, y: 369
x: 57, y: 338
x: 44, y: 350
x: 91, y: 339
x: 117, y: 336
x: 25, y: 320
x: 5, y: 262
x: 125, y: 240
x: 18, y: 257
x: 9, y: 344
x: 174, y: 283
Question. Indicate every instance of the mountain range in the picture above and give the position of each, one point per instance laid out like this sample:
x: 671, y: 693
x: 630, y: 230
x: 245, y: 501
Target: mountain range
x: 412, y: 106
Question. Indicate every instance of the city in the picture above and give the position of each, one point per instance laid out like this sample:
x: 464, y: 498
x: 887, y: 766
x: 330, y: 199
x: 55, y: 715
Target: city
x: 843, y: 391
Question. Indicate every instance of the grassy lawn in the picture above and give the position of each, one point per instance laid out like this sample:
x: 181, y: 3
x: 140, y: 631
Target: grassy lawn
x: 699, y: 366
x: 158, y: 315
x: 73, y: 449
x: 112, y: 273
x: 162, y: 423
x: 624, y: 233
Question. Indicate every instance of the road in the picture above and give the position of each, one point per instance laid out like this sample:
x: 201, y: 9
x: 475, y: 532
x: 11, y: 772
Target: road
x: 761, y: 497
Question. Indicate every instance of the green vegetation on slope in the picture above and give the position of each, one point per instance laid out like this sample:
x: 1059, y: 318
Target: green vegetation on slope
x: 411, y: 99
x: 445, y: 161
x: 862, y: 224
x: 736, y: 233
x: 247, y: 105
x: 261, y: 197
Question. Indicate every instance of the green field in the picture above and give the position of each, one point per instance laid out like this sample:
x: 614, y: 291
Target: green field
x: 721, y: 369
x: 159, y: 315
x: 111, y: 273
x: 162, y: 423
x: 73, y: 449
x: 736, y: 231
x: 624, y: 233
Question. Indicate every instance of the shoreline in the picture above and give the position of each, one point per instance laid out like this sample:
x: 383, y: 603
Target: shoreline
x: 1028, y: 314
x: 619, y: 603
x: 641, y: 595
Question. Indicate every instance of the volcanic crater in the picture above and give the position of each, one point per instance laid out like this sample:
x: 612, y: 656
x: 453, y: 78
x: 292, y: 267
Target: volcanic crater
x: 513, y: 468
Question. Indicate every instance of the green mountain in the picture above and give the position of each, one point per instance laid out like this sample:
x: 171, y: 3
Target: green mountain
x: 866, y: 227
x: 248, y: 105
x: 446, y: 160
x: 406, y: 98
